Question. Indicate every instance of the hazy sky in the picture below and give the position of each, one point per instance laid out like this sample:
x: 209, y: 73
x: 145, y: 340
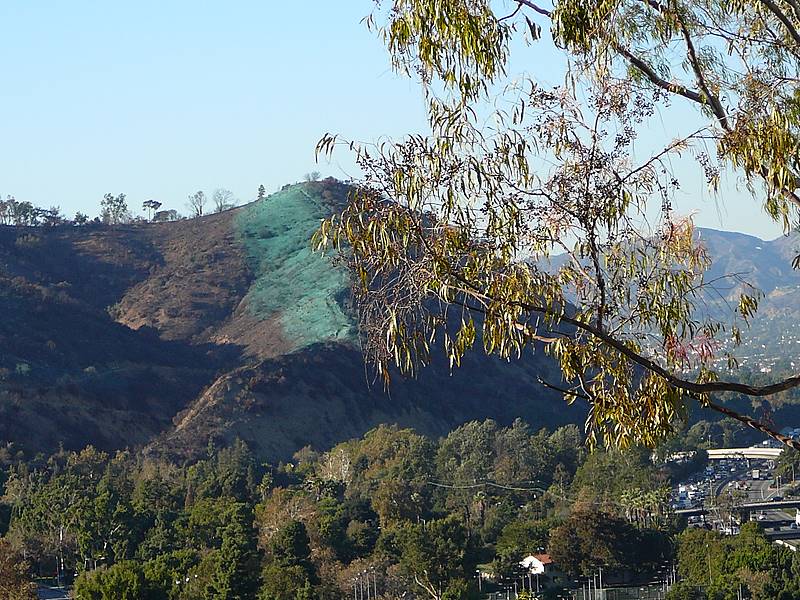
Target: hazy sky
x: 160, y: 99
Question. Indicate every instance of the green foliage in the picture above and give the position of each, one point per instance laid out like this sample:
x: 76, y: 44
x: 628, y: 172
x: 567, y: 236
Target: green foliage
x: 435, y: 554
x: 789, y: 463
x: 332, y: 525
x: 609, y: 472
x: 492, y: 470
x: 206, y: 520
x: 527, y: 221
x: 518, y: 540
x: 25, y: 214
x: 349, y: 529
x: 135, y: 527
x: 291, y: 547
x: 460, y: 589
x: 285, y: 583
x: 590, y: 539
x: 235, y: 575
x: 393, y: 467
x: 723, y: 564
x: 229, y: 472
x: 122, y: 581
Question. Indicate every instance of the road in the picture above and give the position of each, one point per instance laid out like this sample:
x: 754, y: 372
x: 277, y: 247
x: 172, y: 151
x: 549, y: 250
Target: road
x: 759, y: 490
x: 775, y: 520
x: 51, y: 593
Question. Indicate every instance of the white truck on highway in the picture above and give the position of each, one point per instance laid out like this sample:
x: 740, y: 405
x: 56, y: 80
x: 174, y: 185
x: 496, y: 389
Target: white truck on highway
x: 756, y: 474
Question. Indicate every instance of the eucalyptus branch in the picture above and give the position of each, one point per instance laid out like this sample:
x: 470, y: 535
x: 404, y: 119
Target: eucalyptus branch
x: 795, y: 7
x: 652, y: 366
x: 538, y: 9
x: 512, y: 15
x: 781, y: 16
x: 757, y: 425
x: 649, y: 72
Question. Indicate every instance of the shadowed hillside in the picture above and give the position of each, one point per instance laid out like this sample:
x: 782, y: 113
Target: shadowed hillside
x: 170, y: 335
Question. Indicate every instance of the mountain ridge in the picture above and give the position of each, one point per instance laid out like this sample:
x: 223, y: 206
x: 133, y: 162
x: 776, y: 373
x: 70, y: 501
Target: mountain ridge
x: 170, y: 336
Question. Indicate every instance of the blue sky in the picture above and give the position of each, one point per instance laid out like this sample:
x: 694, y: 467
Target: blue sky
x: 160, y: 99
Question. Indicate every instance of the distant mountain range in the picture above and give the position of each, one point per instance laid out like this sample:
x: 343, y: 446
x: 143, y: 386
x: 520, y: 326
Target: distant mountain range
x: 774, y: 338
x: 171, y: 336
x: 744, y: 263
x: 767, y: 265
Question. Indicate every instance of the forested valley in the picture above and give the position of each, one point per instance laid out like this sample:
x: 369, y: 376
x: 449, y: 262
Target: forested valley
x: 394, y: 513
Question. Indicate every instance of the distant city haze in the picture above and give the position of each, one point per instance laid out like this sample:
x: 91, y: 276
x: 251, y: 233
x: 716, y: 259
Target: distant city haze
x: 159, y: 100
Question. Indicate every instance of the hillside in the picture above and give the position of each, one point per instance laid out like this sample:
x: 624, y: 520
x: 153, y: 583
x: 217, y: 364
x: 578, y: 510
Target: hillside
x: 774, y: 338
x: 766, y: 265
x: 172, y: 335
x: 743, y: 263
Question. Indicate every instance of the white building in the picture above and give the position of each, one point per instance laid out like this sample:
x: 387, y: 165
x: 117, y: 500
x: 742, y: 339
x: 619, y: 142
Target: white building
x: 538, y: 564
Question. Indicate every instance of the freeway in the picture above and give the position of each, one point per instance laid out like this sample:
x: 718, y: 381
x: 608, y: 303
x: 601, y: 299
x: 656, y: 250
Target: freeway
x: 748, y: 506
x: 777, y: 517
x: 776, y: 513
x: 750, y: 498
x: 759, y: 497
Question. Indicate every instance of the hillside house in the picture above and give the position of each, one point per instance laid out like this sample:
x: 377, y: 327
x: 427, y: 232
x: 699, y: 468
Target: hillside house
x: 542, y: 567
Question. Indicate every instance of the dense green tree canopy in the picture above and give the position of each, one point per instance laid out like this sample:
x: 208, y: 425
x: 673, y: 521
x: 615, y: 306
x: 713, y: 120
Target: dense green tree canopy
x: 451, y: 234
x: 724, y: 565
x: 436, y: 555
x: 410, y: 513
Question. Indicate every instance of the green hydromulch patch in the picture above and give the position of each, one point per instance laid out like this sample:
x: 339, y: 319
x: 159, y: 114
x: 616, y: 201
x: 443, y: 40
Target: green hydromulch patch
x: 301, y: 288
